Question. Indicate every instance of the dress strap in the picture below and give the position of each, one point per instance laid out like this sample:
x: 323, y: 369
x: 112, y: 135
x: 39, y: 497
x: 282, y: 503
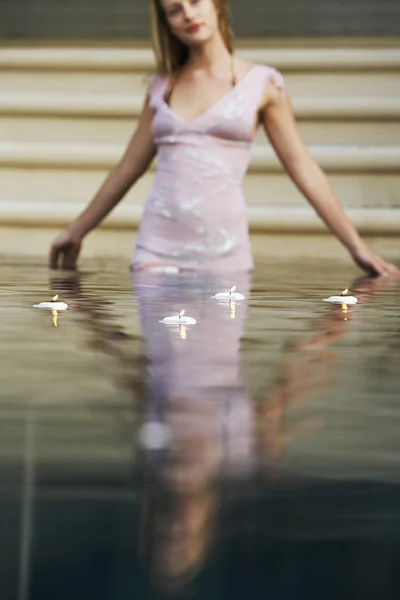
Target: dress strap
x: 157, y: 86
x: 266, y: 76
x: 272, y: 74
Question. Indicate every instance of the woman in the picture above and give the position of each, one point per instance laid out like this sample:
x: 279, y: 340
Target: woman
x: 200, y: 116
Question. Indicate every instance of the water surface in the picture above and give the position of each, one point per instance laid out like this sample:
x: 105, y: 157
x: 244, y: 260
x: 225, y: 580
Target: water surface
x: 258, y: 448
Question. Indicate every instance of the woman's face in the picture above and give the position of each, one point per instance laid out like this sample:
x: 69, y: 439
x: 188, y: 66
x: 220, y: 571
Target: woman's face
x: 191, y: 21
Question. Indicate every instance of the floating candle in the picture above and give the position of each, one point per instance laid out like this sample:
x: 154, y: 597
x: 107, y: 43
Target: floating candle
x: 342, y: 299
x: 53, y: 305
x: 231, y: 295
x: 179, y: 320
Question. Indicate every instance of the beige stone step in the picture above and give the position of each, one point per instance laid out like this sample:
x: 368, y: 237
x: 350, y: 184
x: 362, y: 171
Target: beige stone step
x: 73, y: 185
x: 128, y: 59
x: 68, y: 130
x: 105, y: 244
x: 118, y: 131
x: 274, y: 218
x: 350, y: 158
x: 319, y: 71
x: 361, y: 176
x: 337, y: 83
x: 94, y: 118
x: 81, y: 82
x: 305, y: 83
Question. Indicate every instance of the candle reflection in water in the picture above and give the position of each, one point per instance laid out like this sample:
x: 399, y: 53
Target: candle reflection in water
x: 192, y: 397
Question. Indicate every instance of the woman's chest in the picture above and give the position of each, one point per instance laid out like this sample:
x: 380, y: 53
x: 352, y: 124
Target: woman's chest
x: 190, y: 99
x: 231, y: 117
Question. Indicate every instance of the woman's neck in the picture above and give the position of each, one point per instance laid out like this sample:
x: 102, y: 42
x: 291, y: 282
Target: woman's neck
x: 212, y: 56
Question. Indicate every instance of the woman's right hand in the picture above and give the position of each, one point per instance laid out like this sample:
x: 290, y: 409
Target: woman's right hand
x: 65, y: 247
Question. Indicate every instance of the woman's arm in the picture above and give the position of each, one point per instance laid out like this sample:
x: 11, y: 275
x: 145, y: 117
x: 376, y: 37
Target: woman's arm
x: 280, y: 126
x: 133, y: 164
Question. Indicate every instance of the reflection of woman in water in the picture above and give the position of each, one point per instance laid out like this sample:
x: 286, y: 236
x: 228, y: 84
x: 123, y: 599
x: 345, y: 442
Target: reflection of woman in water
x: 195, y: 378
x: 199, y: 427
x: 197, y: 397
x: 200, y: 117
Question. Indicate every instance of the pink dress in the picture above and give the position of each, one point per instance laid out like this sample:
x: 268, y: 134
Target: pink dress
x: 195, y: 215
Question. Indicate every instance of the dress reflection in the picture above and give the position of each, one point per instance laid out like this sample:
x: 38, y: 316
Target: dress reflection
x: 191, y: 388
x: 197, y: 393
x: 196, y: 387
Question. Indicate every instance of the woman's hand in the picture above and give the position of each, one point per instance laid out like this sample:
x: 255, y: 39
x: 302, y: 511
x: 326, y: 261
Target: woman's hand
x: 67, y: 247
x: 372, y: 263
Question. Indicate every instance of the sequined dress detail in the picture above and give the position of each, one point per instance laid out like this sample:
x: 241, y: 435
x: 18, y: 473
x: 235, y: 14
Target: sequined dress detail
x: 195, y: 214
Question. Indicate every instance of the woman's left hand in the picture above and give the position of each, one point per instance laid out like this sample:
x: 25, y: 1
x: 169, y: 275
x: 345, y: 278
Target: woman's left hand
x: 372, y: 263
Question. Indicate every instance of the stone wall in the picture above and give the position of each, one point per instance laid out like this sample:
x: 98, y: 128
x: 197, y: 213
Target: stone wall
x: 124, y: 19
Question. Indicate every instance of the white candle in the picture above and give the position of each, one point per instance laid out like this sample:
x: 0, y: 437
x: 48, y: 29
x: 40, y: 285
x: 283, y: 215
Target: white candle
x: 342, y: 299
x: 231, y: 295
x: 179, y: 320
x: 53, y: 305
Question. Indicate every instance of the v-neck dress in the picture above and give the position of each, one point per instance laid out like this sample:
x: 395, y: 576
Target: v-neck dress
x: 194, y: 217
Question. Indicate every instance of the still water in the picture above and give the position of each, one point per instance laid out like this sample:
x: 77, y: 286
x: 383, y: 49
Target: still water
x: 254, y: 454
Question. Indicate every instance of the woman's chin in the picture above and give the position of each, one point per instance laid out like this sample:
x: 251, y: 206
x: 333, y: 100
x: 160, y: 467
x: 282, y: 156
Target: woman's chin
x: 196, y: 40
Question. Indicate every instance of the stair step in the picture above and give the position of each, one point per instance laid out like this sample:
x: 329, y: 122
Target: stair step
x: 117, y: 131
x: 72, y: 185
x: 319, y: 71
x: 111, y: 119
x: 351, y: 158
x: 124, y: 106
x: 128, y: 59
x: 300, y: 219
x: 361, y: 176
x: 320, y: 83
x: 55, y: 186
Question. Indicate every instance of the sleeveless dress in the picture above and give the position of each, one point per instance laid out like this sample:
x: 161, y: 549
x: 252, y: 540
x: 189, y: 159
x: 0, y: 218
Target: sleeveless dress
x: 195, y: 214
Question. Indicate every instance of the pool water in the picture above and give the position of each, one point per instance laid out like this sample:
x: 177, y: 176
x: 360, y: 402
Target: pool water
x: 255, y: 452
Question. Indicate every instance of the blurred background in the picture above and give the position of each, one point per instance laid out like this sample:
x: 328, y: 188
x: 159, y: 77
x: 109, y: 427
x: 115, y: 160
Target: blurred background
x: 103, y: 19
x: 262, y: 443
x: 72, y: 81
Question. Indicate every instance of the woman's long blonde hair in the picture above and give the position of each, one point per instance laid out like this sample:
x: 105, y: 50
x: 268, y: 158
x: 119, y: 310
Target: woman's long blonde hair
x: 171, y: 53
